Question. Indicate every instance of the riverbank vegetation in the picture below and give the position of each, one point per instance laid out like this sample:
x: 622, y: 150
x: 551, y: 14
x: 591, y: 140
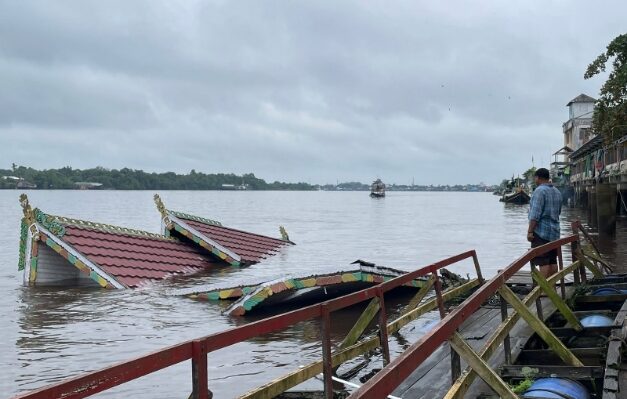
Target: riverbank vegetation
x: 132, y: 179
x: 610, y: 111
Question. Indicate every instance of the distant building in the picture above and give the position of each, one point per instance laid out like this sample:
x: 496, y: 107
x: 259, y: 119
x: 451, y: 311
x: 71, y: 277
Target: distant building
x: 578, y: 128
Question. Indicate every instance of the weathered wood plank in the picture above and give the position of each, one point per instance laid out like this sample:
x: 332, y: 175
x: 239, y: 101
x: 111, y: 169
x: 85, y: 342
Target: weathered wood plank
x: 481, y: 367
x: 540, y: 328
x: 420, y: 295
x: 561, y: 306
x: 461, y: 386
x: 361, y: 324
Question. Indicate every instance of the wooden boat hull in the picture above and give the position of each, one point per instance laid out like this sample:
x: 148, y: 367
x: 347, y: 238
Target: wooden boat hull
x: 519, y: 198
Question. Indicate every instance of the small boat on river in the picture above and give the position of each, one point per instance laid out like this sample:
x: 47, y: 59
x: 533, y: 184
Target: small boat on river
x: 515, y: 192
x: 377, y: 189
x: 519, y: 196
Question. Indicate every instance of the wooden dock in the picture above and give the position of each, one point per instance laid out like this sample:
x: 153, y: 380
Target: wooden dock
x: 432, y: 379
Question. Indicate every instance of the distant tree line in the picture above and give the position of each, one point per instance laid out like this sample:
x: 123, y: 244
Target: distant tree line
x: 133, y: 179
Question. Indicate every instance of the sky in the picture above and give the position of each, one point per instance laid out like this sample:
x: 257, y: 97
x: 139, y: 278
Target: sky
x: 442, y: 92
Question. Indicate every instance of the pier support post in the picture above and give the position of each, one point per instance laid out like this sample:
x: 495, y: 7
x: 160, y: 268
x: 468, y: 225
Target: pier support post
x: 540, y: 328
x: 621, y: 191
x: 606, y: 208
x: 327, y: 365
x: 481, y: 367
x: 592, y: 206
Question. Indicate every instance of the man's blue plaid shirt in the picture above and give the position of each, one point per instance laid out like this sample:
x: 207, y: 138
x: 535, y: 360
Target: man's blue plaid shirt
x: 545, y: 208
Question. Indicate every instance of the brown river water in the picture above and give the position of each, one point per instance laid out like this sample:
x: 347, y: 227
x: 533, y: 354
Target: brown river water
x: 52, y: 334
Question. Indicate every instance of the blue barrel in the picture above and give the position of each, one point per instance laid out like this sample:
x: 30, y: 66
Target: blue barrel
x: 596, y: 320
x: 607, y: 291
x: 556, y: 388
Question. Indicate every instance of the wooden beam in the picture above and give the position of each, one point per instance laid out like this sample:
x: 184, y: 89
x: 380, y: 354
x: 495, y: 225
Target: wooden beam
x: 460, y: 387
x: 481, y: 367
x: 431, y: 305
x: 550, y: 292
x: 590, y: 266
x: 420, y: 295
x: 540, y: 328
x: 282, y: 384
x: 360, y: 325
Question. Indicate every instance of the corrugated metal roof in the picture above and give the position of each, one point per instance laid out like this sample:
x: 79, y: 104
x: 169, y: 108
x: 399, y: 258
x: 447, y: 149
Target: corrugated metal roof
x: 590, y: 145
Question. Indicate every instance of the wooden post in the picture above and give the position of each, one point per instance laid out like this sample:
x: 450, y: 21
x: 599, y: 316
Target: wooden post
x: 606, y: 208
x: 574, y: 248
x: 438, y: 295
x: 481, y: 367
x: 327, y: 363
x: 592, y: 206
x: 475, y: 260
x: 540, y: 328
x: 200, y: 380
x: 506, y: 342
x: 538, y: 300
x: 560, y: 263
x: 360, y: 325
x: 456, y: 365
x: 550, y: 292
x: 383, y: 328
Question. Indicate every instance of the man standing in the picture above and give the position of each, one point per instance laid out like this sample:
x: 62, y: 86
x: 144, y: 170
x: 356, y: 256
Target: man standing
x: 544, y: 223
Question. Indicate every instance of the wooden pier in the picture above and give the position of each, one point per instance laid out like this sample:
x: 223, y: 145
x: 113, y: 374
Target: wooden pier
x: 492, y: 327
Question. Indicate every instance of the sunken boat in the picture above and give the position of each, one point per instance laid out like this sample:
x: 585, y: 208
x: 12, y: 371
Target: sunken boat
x: 64, y: 251
x: 377, y: 189
x: 313, y: 288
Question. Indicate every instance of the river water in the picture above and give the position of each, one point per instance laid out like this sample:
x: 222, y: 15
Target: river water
x: 52, y: 334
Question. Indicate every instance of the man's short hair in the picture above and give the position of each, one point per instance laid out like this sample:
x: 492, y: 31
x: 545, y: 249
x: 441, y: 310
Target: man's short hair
x: 543, y: 173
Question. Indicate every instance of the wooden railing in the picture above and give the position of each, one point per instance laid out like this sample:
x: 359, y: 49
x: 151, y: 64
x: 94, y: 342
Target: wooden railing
x: 197, y: 349
x: 392, y: 375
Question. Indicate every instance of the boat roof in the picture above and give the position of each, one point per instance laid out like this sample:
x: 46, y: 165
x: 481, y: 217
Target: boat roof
x: 115, y: 256
x: 236, y: 247
x: 249, y: 296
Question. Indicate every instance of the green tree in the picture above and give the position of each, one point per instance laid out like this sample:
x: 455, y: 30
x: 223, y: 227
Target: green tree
x: 610, y: 112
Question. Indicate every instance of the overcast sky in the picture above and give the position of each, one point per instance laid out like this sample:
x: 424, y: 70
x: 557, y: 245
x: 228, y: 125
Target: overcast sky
x: 441, y: 91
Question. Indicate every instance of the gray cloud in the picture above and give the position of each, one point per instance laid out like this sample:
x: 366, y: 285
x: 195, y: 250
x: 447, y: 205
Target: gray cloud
x: 446, y: 92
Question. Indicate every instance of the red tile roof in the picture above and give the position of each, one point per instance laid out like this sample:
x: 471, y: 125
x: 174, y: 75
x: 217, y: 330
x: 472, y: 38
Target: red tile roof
x: 134, y: 260
x: 251, y: 247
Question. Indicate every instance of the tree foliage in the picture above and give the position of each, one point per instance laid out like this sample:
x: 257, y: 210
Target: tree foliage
x: 610, y: 113
x: 131, y: 179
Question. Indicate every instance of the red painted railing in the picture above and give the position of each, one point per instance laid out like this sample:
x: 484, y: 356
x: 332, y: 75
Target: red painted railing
x: 392, y: 375
x: 197, y: 350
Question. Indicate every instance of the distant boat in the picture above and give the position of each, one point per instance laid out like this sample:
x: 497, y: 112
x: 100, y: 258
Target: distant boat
x: 517, y: 196
x: 377, y: 189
